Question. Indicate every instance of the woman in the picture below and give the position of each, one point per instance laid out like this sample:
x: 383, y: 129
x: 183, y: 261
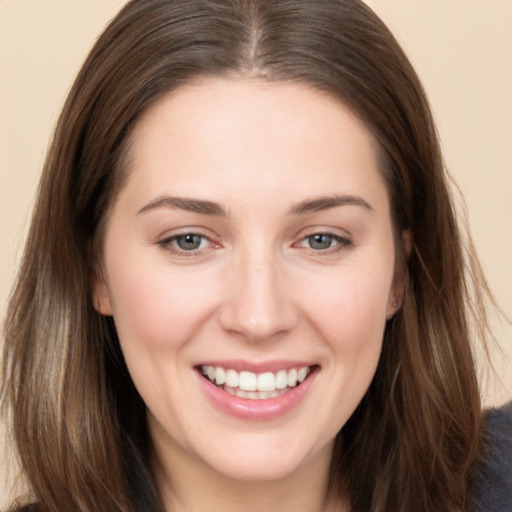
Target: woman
x: 244, y: 275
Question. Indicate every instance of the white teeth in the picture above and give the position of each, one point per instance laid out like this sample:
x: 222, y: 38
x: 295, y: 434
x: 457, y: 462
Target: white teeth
x: 255, y: 386
x: 252, y: 395
x: 266, y: 382
x: 220, y: 376
x: 240, y: 393
x: 248, y: 381
x: 232, y: 379
x: 292, y: 378
x: 281, y: 379
x: 302, y: 374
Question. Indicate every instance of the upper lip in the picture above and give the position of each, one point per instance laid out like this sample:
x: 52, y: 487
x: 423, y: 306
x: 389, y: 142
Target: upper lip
x: 241, y: 365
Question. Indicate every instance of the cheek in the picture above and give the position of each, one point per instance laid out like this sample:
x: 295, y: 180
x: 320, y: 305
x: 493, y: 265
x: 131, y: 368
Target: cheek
x: 349, y: 310
x: 157, y: 308
x: 350, y: 315
x: 354, y: 301
x: 157, y: 312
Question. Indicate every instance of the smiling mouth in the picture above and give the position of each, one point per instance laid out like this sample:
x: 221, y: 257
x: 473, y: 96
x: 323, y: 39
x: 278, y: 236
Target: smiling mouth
x: 255, y: 386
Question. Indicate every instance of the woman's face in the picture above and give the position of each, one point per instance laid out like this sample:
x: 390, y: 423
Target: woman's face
x: 252, y: 242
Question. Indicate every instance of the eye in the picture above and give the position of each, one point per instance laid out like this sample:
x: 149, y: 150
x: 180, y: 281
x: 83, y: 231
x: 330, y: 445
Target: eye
x: 184, y: 243
x: 189, y: 242
x: 320, y: 241
x: 325, y: 242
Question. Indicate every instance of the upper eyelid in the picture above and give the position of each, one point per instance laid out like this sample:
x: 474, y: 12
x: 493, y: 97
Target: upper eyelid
x: 323, y: 230
x: 169, y: 239
x: 184, y: 233
x: 342, y: 240
x: 168, y: 244
x: 187, y: 230
x: 172, y: 238
x: 339, y: 238
x: 337, y: 233
x: 335, y: 236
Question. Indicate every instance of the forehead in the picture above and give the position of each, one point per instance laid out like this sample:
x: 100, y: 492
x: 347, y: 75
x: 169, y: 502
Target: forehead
x: 248, y: 103
x: 232, y: 137
x: 246, y: 116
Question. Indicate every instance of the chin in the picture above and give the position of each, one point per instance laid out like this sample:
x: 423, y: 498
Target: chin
x: 259, y: 470
x: 266, y: 458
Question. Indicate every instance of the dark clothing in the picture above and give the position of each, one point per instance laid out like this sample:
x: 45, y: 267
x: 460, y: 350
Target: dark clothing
x: 494, y: 488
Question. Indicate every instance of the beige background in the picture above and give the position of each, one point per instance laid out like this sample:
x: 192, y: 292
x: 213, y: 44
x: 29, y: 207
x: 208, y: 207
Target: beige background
x: 461, y: 48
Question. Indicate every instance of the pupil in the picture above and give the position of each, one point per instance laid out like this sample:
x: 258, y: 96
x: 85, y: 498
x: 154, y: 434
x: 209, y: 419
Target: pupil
x: 320, y: 241
x: 189, y: 242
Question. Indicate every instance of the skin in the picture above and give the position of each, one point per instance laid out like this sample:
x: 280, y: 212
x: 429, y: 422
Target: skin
x: 256, y: 289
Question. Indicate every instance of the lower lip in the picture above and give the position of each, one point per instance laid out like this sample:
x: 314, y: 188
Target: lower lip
x: 256, y: 410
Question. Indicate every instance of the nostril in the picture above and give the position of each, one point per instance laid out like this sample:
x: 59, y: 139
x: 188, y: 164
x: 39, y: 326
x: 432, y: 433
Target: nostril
x: 260, y: 323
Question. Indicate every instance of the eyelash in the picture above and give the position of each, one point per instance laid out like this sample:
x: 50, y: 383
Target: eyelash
x: 342, y: 243
x: 169, y: 244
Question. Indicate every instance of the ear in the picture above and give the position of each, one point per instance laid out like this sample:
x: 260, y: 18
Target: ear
x: 396, y: 296
x: 100, y: 293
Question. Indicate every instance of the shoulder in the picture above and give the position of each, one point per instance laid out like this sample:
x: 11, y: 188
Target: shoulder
x: 494, y: 483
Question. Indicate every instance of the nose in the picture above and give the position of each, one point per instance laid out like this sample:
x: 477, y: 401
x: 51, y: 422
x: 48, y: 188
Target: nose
x: 259, y: 304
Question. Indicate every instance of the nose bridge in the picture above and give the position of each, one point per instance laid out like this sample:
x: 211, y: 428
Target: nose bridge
x: 258, y: 306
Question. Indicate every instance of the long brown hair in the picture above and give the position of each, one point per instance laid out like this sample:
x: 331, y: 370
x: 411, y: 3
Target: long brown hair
x: 78, y: 422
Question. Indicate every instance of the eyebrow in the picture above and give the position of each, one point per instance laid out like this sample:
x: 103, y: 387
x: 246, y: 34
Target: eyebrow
x: 317, y: 204
x: 188, y: 204
x: 215, y: 209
